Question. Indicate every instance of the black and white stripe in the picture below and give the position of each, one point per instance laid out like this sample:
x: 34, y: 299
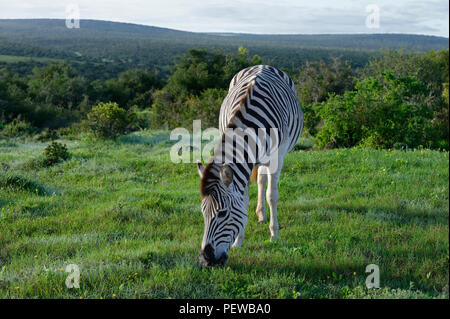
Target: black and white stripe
x: 259, y: 97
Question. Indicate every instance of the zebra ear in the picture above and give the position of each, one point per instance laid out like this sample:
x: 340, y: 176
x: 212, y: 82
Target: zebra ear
x: 226, y: 174
x: 200, y: 168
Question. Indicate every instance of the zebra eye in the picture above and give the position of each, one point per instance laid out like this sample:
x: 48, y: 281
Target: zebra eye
x: 222, y: 213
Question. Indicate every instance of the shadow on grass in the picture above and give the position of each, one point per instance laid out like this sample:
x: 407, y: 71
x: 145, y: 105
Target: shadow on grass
x: 21, y: 183
x: 399, y: 215
x: 340, y: 275
x: 244, y: 270
x: 167, y: 260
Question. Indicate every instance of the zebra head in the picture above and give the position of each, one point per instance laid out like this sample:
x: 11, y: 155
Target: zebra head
x: 220, y: 202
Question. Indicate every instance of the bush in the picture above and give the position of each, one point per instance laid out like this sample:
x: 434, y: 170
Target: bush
x: 108, y: 120
x: 315, y: 81
x: 304, y: 144
x: 17, y: 128
x: 47, y: 135
x: 73, y: 131
x: 205, y: 107
x: 380, y: 113
x: 432, y: 69
x: 311, y: 119
x: 198, y: 84
x: 142, y: 118
x: 54, y: 153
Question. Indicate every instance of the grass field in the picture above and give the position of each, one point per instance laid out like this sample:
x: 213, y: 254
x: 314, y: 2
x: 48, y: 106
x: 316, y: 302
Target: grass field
x: 17, y: 58
x: 131, y: 221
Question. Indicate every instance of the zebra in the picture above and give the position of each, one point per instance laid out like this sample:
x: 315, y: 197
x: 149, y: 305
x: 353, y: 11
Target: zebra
x: 260, y: 98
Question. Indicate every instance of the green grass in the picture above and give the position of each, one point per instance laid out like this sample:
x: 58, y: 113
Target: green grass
x: 17, y: 58
x: 131, y: 220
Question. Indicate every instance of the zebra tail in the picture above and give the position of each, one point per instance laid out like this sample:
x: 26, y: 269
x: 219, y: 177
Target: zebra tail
x: 254, y: 176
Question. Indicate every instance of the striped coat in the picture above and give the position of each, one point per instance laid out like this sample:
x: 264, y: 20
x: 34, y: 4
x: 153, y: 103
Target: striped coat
x: 260, y: 99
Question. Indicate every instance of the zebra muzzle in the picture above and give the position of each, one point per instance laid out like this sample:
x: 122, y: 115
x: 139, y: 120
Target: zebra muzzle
x: 208, y: 259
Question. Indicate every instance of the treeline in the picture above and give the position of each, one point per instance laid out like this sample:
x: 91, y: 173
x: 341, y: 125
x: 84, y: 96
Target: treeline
x: 396, y: 100
x: 102, y: 49
x: 56, y: 96
x: 122, y: 46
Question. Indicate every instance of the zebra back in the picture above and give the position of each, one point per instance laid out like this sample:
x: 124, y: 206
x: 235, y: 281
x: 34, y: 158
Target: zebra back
x: 259, y: 97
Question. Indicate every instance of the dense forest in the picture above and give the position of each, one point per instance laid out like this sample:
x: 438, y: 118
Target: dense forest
x: 102, y: 49
x: 111, y: 78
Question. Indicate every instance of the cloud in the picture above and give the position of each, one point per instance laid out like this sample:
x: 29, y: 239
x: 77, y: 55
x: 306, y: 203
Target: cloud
x: 251, y: 16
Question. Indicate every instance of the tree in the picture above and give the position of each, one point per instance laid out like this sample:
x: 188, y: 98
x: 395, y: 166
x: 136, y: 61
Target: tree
x: 202, y: 77
x: 315, y: 81
x: 195, y: 72
x: 57, y: 86
x: 383, y: 113
x: 131, y: 88
x: 431, y: 68
x: 13, y: 98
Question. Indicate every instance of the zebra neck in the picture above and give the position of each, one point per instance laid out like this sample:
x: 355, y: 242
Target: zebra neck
x: 242, y: 169
x: 241, y: 176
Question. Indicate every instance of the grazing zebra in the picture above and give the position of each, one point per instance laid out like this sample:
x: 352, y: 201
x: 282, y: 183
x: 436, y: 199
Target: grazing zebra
x: 260, y: 99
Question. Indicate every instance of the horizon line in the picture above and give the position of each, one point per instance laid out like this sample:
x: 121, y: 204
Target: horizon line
x: 236, y: 33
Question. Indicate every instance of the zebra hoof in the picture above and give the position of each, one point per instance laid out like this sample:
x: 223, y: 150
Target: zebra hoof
x: 262, y: 220
x: 274, y: 239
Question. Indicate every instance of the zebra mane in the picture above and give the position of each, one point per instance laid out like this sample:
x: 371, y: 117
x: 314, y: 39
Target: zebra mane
x: 242, y: 103
x: 211, y: 175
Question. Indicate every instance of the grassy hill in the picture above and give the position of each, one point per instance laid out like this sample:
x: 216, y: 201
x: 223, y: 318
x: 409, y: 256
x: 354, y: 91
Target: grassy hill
x: 118, y: 211
x: 144, y: 46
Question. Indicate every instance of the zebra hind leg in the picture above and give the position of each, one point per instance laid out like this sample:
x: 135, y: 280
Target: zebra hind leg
x: 272, y: 199
x: 261, y: 180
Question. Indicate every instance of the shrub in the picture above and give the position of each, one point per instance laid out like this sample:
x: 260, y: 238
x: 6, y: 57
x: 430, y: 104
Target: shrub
x: 195, y: 90
x: 54, y: 153
x: 108, y: 120
x: 73, y: 131
x: 142, y: 118
x: 431, y: 68
x: 311, y: 119
x: 206, y: 107
x: 380, y: 113
x: 315, y: 81
x: 17, y: 128
x: 47, y: 135
x: 304, y: 144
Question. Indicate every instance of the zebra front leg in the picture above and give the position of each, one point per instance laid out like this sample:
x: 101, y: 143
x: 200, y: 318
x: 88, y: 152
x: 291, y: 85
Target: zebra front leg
x: 238, y: 240
x: 272, y: 199
x: 240, y: 235
x: 261, y: 180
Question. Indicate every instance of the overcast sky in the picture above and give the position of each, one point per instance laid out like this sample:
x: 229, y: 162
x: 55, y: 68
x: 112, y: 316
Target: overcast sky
x: 252, y: 16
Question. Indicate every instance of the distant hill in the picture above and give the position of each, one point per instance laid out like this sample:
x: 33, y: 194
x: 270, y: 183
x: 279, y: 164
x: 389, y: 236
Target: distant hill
x: 131, y: 45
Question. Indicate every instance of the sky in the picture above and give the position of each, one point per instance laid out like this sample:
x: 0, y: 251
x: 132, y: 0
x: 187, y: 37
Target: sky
x: 429, y: 17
